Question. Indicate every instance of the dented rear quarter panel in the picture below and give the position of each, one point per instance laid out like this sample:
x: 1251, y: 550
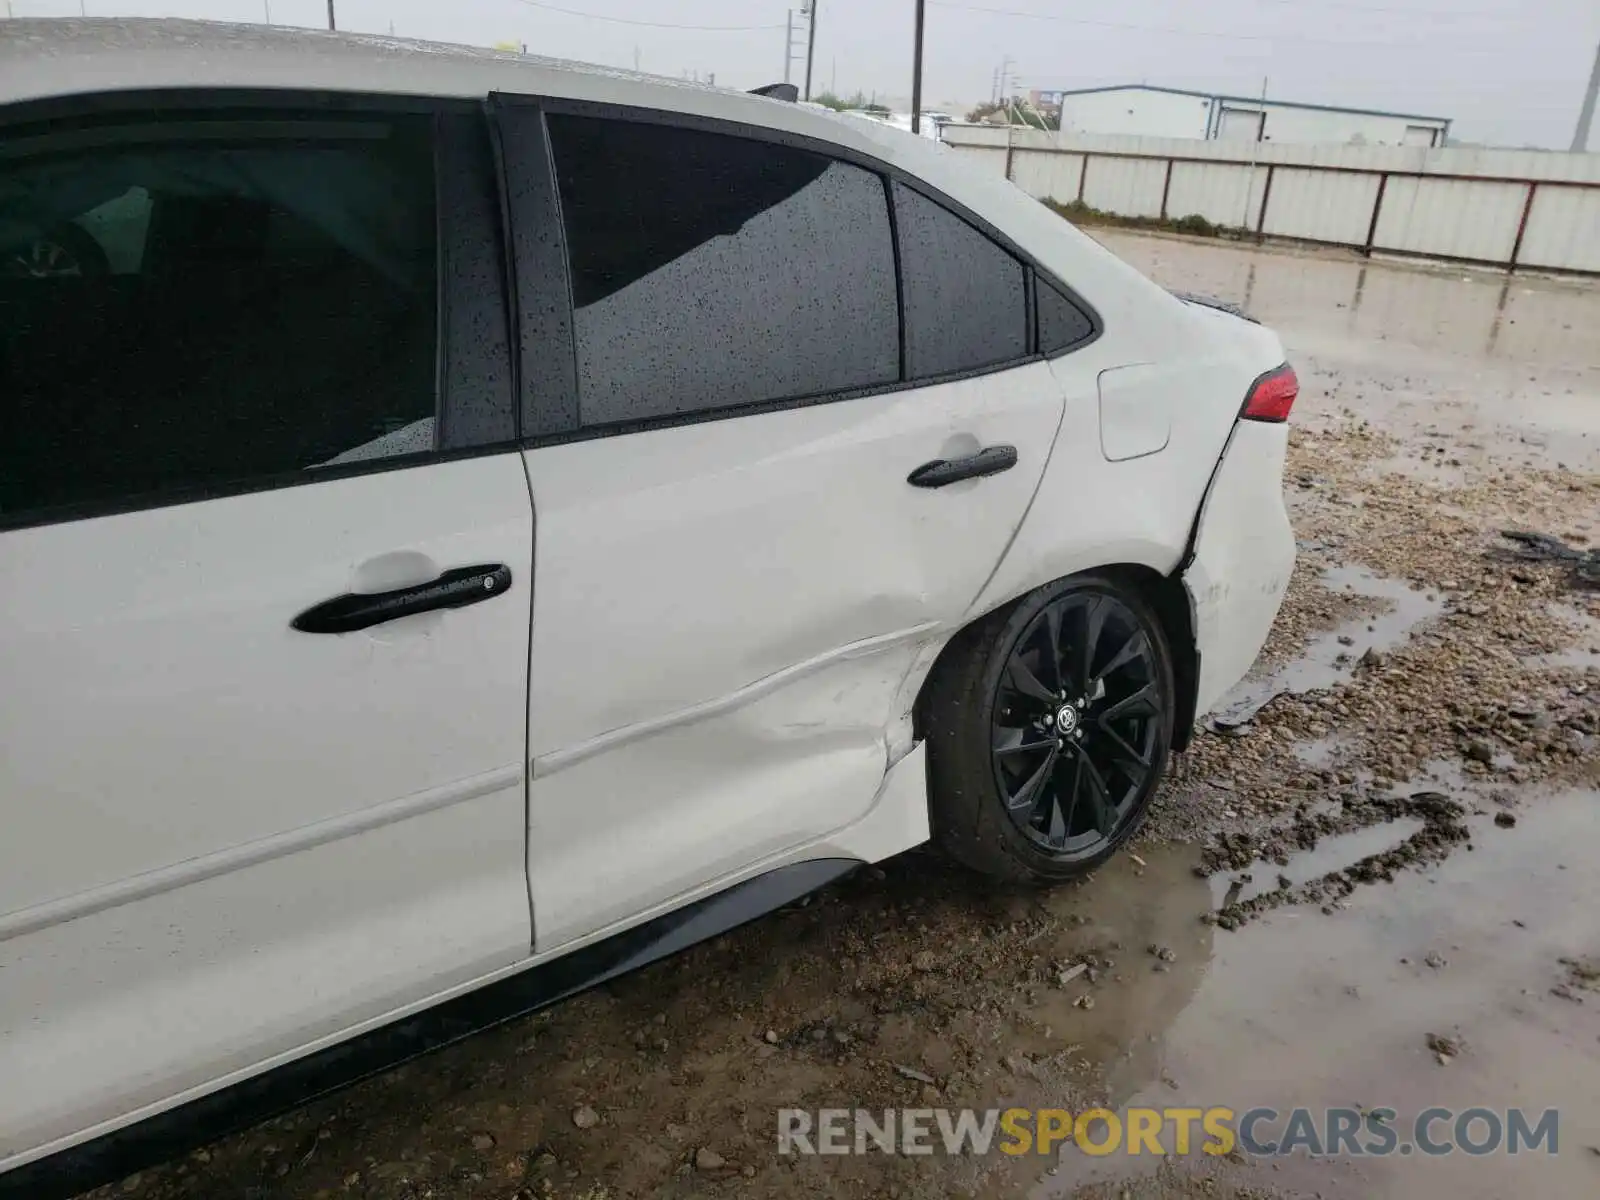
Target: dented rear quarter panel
x: 1091, y: 512
x: 1208, y: 503
x: 1244, y: 554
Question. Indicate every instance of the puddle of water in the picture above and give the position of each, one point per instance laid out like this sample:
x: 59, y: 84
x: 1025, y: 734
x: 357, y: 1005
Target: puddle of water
x: 1305, y: 1009
x: 1576, y: 657
x: 1131, y: 908
x: 1320, y: 752
x: 1330, y: 658
x: 1432, y: 469
x: 1330, y: 854
x: 1585, y: 651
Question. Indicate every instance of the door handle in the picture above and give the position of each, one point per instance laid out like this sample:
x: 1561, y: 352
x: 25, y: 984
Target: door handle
x: 942, y: 472
x: 453, y: 589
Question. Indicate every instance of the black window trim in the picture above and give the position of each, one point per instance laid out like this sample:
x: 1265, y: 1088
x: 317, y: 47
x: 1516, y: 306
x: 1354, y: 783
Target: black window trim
x: 98, y: 106
x: 904, y: 371
x: 538, y: 276
x: 1031, y: 282
x: 473, y: 332
x: 547, y: 422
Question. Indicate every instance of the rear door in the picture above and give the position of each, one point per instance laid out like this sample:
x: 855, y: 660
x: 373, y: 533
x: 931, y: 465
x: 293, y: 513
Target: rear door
x: 736, y: 576
x: 252, y: 360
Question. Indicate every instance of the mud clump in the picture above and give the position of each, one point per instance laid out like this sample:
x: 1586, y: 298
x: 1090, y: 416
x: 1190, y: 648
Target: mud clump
x: 1583, y: 974
x: 1443, y: 829
x: 1445, y: 1048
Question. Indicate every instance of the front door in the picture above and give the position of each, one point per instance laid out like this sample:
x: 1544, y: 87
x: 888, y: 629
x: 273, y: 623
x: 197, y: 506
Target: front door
x: 236, y: 818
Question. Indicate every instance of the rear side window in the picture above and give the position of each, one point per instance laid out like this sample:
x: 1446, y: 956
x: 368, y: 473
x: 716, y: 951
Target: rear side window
x: 1062, y: 324
x: 710, y: 271
x: 966, y: 298
x: 196, y: 302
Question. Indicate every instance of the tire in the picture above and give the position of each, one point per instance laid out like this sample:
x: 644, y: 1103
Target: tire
x: 987, y: 743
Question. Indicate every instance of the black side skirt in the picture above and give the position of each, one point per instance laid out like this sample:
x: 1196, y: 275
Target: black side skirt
x: 251, y: 1101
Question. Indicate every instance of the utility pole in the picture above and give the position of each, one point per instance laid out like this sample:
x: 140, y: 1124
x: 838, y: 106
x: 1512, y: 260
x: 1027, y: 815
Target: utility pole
x: 331, y: 23
x: 1003, y: 79
x: 916, y: 73
x: 790, y: 46
x: 809, y: 8
x: 1580, y: 138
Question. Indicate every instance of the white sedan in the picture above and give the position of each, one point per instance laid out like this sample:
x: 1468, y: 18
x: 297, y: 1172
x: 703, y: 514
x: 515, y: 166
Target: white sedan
x: 470, y: 525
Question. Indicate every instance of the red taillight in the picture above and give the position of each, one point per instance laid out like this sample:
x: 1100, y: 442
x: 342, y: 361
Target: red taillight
x: 1272, y: 396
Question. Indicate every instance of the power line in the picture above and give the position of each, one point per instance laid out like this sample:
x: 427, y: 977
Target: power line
x: 1300, y: 4
x: 1200, y: 33
x: 594, y: 16
x: 1340, y: 5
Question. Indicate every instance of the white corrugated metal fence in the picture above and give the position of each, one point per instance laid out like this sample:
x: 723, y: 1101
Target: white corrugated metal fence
x: 1507, y: 208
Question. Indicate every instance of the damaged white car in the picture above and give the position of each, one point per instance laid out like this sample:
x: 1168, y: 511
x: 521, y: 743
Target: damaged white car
x: 471, y: 525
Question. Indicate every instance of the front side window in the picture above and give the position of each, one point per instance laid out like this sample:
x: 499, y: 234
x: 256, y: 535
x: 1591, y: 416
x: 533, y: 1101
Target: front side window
x: 966, y: 298
x: 710, y: 271
x: 201, y: 301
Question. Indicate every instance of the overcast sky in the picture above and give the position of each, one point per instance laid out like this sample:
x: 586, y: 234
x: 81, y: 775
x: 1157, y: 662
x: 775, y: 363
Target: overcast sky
x: 1508, y: 71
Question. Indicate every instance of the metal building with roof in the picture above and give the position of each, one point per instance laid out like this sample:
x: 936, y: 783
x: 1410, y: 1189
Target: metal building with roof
x: 1141, y: 109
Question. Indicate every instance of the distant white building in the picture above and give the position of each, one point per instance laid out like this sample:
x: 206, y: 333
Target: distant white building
x: 1173, y: 112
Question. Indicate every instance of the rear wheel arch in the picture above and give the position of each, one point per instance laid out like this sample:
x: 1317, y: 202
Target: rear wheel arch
x: 1169, y: 598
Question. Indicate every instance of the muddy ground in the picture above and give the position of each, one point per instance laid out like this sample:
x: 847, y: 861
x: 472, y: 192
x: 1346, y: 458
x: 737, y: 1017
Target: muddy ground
x: 1386, y: 845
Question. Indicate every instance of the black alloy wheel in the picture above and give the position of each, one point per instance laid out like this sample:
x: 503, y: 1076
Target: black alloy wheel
x: 1048, y: 726
x: 1077, y: 723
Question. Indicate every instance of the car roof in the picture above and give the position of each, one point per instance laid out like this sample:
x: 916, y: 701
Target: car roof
x: 54, y: 58
x: 63, y: 57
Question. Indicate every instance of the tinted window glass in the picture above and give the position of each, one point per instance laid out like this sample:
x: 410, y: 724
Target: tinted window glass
x: 966, y: 300
x: 200, y: 303
x: 710, y: 271
x: 1062, y: 324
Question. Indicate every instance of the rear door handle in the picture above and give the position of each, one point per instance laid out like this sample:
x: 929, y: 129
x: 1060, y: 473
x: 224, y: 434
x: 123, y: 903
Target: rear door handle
x: 453, y: 589
x: 942, y: 472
